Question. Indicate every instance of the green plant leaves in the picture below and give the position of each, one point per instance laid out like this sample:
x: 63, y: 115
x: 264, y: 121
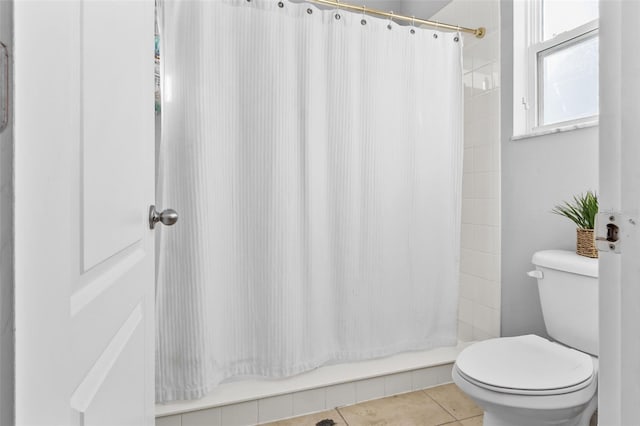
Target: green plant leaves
x: 582, y: 211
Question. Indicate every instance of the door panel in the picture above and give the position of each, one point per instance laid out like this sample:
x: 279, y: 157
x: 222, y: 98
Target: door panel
x: 116, y: 52
x: 119, y: 363
x: 113, y: 298
x: 84, y: 184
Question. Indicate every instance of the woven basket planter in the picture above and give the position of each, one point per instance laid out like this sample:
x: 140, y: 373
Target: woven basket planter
x: 586, y: 243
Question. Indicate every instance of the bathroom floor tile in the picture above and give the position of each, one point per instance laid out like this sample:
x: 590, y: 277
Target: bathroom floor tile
x: 414, y: 408
x: 311, y: 419
x: 473, y: 421
x: 452, y: 399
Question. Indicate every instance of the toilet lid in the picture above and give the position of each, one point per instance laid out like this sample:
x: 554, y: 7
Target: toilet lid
x: 525, y: 362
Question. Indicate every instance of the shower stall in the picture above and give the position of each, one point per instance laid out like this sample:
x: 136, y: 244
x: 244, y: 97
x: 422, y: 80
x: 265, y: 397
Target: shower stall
x: 315, y: 157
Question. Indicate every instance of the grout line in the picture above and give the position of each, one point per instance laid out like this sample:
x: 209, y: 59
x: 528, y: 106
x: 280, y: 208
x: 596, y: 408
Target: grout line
x: 340, y: 414
x: 441, y: 406
x: 472, y: 417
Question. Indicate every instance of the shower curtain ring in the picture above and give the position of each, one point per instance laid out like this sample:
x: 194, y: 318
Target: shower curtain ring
x: 413, y: 24
x: 457, y: 36
x: 437, y: 25
x: 337, y: 14
x: 364, y: 11
x: 390, y: 20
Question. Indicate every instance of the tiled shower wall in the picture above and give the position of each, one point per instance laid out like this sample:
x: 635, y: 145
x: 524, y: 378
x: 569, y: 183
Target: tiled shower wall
x: 479, y: 305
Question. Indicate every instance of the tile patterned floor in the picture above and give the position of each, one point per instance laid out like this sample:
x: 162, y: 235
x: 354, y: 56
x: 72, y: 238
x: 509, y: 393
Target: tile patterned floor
x: 442, y: 405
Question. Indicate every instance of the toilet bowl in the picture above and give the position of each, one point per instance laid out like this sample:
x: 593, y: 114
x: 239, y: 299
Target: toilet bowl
x: 530, y: 380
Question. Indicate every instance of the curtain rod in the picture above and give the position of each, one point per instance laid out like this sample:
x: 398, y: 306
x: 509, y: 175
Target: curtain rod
x: 478, y: 32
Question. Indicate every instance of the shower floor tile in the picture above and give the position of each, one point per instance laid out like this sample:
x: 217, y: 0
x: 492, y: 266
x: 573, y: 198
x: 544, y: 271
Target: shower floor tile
x: 441, y: 405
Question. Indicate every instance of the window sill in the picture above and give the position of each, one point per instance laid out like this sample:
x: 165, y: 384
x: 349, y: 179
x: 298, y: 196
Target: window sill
x: 554, y: 130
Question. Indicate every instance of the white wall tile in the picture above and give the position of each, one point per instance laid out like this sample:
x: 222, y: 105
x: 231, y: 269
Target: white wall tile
x: 482, y: 79
x: 467, y: 82
x: 424, y: 378
x: 467, y: 61
x: 468, y: 116
x: 484, y: 159
x: 468, y: 184
x: 466, y: 261
x: 486, y: 106
x: 309, y: 401
x: 467, y: 288
x: 496, y: 75
x: 482, y: 317
x: 340, y: 395
x: 243, y: 414
x: 444, y: 373
x: 491, y: 236
x: 487, y: 132
x: 480, y: 232
x: 465, y: 310
x: 465, y: 331
x: 471, y: 136
x: 369, y: 389
x: 275, y: 408
x: 486, y: 320
x: 486, y: 212
x: 486, y: 51
x: 486, y: 238
x: 210, y: 417
x: 468, y: 210
x: 486, y: 266
x: 487, y: 293
x: 483, y: 130
x: 169, y: 421
x: 397, y: 383
x: 495, y: 322
x: 486, y: 184
x: 467, y: 161
x: 467, y: 236
x: 481, y: 335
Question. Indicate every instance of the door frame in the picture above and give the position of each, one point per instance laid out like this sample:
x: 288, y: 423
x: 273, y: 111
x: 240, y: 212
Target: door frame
x: 7, y: 353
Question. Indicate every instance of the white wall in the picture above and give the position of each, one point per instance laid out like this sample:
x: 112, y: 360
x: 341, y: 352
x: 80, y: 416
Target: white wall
x: 479, y: 308
x: 537, y: 174
x: 6, y: 245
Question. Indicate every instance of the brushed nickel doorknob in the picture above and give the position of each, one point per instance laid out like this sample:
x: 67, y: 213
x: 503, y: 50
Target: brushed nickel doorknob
x: 166, y: 217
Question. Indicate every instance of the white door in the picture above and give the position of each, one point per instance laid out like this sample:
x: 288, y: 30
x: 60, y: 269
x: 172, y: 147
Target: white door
x: 619, y: 388
x: 84, y: 181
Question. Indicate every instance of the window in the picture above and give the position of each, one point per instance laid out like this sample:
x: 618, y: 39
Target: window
x: 555, y: 64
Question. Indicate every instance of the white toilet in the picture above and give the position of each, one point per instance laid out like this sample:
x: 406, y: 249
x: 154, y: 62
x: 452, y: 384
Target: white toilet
x: 529, y: 380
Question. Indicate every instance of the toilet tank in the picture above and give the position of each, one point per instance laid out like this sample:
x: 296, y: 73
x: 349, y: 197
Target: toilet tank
x: 568, y: 285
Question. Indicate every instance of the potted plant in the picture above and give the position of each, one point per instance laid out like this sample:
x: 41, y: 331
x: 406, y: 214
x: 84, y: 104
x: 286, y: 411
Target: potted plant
x: 582, y: 211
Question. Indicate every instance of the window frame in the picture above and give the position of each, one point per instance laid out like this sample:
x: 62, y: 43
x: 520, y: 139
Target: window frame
x: 528, y: 46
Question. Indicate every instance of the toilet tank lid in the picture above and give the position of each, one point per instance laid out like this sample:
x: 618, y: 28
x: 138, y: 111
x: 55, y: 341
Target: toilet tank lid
x: 567, y: 261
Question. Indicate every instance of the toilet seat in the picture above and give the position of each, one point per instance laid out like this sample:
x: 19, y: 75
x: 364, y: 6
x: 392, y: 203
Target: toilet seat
x: 525, y: 365
x: 544, y: 392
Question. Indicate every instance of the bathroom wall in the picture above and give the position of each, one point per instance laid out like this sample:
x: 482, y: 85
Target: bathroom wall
x: 6, y: 246
x: 537, y: 174
x: 479, y: 307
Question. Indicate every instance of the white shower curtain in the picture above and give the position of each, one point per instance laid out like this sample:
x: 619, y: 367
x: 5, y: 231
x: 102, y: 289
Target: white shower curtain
x: 315, y: 159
